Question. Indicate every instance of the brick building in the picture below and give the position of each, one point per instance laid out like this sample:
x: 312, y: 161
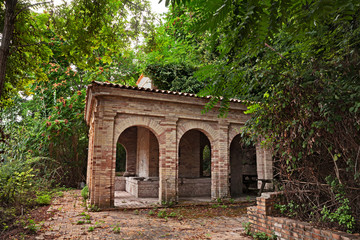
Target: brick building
x: 165, y: 135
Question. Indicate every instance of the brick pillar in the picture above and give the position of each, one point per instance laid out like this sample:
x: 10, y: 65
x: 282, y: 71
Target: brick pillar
x: 264, y: 165
x: 220, y: 163
x: 103, y: 167
x: 168, y: 165
x: 90, y: 152
x: 265, y: 204
x: 93, y: 152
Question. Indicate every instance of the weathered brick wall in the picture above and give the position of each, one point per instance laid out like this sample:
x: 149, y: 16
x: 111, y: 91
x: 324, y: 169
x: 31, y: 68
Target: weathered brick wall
x: 194, y: 187
x: 120, y: 183
x: 141, y: 188
x: 261, y: 220
x: 189, y: 155
x: 154, y: 156
x: 90, y: 153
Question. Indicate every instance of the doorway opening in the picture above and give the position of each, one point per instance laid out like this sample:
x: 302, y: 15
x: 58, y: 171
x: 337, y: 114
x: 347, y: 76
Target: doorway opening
x: 243, y: 174
x: 194, y: 176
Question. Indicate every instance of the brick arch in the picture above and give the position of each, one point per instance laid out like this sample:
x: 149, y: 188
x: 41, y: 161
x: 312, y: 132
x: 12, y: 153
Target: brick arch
x: 234, y: 130
x: 203, y: 127
x: 122, y: 123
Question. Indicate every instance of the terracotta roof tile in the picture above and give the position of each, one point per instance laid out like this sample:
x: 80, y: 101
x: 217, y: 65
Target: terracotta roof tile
x: 114, y: 85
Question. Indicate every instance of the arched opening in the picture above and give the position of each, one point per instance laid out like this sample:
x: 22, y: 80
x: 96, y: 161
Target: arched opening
x: 206, y: 161
x: 243, y: 174
x: 137, y: 164
x: 194, y: 165
x: 120, y: 166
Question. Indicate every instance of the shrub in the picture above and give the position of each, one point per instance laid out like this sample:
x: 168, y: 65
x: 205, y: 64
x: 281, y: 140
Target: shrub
x: 43, y: 199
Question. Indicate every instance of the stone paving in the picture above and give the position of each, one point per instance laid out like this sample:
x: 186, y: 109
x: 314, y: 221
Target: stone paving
x: 71, y: 221
x: 126, y: 200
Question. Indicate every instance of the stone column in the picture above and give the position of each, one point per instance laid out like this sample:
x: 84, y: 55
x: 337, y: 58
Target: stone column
x: 221, y: 163
x: 168, y: 165
x: 143, y: 152
x: 264, y: 165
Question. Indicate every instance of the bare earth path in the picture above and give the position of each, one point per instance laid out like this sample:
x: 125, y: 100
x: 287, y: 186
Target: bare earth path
x: 71, y: 221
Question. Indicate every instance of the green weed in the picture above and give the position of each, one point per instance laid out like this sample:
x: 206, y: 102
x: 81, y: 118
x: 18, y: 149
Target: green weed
x: 85, y: 193
x: 32, y: 226
x: 116, y: 228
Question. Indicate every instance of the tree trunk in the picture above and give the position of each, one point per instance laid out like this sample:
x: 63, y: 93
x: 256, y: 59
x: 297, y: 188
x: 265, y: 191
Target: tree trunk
x: 9, y: 23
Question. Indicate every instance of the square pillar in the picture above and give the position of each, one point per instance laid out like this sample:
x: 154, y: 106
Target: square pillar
x: 90, y: 176
x: 220, y: 161
x: 224, y: 161
x: 168, y: 166
x: 103, y: 162
x: 90, y: 153
x: 264, y: 165
x: 143, y: 152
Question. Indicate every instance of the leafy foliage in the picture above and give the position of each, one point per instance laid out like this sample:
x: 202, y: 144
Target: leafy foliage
x: 29, y: 48
x: 174, y: 77
x: 43, y: 199
x: 43, y: 137
x: 299, y: 61
x: 171, y: 56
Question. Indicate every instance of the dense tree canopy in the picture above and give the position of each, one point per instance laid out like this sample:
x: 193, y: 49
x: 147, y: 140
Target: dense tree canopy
x: 168, y: 60
x: 300, y: 61
x: 52, y: 57
x: 87, y: 31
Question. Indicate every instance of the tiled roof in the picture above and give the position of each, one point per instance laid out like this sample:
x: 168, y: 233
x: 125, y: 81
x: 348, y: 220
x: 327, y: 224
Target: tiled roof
x: 113, y: 85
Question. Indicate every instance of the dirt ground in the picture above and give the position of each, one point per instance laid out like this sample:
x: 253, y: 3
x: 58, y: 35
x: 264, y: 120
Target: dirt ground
x: 67, y: 218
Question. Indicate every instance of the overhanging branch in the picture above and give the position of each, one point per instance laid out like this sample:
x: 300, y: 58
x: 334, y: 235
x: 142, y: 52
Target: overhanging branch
x: 29, y: 6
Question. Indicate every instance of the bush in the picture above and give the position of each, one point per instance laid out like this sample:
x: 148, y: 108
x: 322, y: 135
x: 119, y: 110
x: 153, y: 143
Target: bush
x: 16, y: 183
x: 43, y: 199
x: 22, y: 186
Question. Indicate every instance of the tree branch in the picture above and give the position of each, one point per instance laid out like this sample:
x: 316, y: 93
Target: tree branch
x: 27, y: 45
x: 29, y: 6
x: 273, y: 49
